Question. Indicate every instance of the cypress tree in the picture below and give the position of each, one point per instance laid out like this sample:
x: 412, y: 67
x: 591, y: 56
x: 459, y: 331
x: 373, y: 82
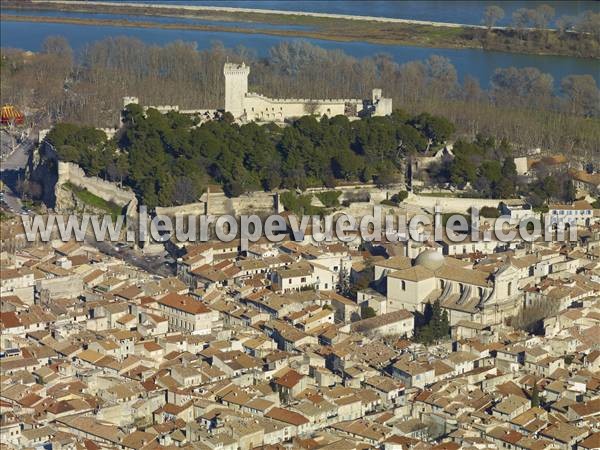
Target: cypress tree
x: 445, y: 326
x: 535, y: 396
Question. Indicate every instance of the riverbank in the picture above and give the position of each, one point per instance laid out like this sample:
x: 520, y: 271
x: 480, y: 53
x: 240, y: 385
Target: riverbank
x: 334, y: 27
x: 396, y: 39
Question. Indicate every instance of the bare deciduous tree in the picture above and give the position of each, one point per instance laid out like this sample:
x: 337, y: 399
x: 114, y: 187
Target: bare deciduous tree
x: 492, y: 15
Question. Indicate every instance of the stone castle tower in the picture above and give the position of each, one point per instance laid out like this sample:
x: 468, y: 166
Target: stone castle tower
x: 236, y: 87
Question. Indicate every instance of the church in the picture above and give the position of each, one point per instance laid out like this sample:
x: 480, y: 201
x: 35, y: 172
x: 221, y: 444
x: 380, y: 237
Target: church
x: 249, y: 106
x: 466, y: 292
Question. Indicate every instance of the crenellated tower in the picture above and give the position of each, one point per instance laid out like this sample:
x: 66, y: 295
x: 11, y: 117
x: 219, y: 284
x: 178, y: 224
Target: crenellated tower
x: 236, y: 87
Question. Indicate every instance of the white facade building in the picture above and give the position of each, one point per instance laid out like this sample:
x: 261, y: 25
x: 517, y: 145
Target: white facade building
x: 580, y: 213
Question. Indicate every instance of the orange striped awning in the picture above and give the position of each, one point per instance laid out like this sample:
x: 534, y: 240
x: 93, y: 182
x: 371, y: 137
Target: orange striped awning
x: 10, y: 114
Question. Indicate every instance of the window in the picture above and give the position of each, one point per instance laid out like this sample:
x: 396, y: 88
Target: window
x: 303, y: 280
x: 509, y: 289
x: 290, y: 281
x: 403, y: 285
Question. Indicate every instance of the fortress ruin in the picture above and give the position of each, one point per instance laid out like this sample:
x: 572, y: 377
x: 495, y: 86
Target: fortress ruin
x: 249, y: 106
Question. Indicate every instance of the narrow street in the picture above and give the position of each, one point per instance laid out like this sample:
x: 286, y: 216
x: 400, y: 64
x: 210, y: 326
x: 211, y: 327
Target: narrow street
x: 13, y: 159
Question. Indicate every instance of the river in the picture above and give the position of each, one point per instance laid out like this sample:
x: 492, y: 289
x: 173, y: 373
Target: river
x: 468, y: 12
x: 477, y: 63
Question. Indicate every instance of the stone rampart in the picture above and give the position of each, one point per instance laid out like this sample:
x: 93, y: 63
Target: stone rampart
x: 72, y: 173
x: 451, y: 204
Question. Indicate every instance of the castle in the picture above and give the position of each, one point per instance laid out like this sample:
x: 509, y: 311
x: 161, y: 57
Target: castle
x: 252, y: 107
x: 249, y: 106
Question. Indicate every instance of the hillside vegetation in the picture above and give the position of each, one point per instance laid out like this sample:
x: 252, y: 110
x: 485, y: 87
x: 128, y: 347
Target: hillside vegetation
x: 521, y: 105
x: 169, y: 160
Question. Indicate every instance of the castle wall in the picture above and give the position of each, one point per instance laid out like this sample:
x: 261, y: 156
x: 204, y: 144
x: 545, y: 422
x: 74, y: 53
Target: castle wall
x: 521, y: 165
x: 72, y: 173
x: 383, y: 107
x: 260, y: 108
x: 187, y: 209
x: 253, y: 203
x: 452, y: 204
x: 255, y: 107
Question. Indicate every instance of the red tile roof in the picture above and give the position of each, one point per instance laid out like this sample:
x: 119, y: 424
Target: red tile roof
x: 283, y: 415
x: 183, y: 303
x: 290, y: 379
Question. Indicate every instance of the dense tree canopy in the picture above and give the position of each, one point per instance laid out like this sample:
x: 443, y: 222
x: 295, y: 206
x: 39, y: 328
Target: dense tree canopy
x: 168, y: 159
x: 484, y: 164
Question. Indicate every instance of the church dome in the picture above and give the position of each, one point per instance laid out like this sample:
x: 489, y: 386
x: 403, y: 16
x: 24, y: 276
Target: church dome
x: 430, y: 259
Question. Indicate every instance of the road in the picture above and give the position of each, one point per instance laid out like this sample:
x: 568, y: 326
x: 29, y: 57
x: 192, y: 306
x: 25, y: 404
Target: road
x: 13, y: 155
x: 159, y: 264
x: 13, y: 160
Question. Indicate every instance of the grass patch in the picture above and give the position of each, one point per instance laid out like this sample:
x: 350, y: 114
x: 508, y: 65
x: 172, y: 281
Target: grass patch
x: 93, y: 200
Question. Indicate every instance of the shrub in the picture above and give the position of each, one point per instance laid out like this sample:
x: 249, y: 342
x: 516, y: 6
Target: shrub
x: 489, y: 212
x: 329, y: 199
x: 299, y: 204
x: 367, y: 312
